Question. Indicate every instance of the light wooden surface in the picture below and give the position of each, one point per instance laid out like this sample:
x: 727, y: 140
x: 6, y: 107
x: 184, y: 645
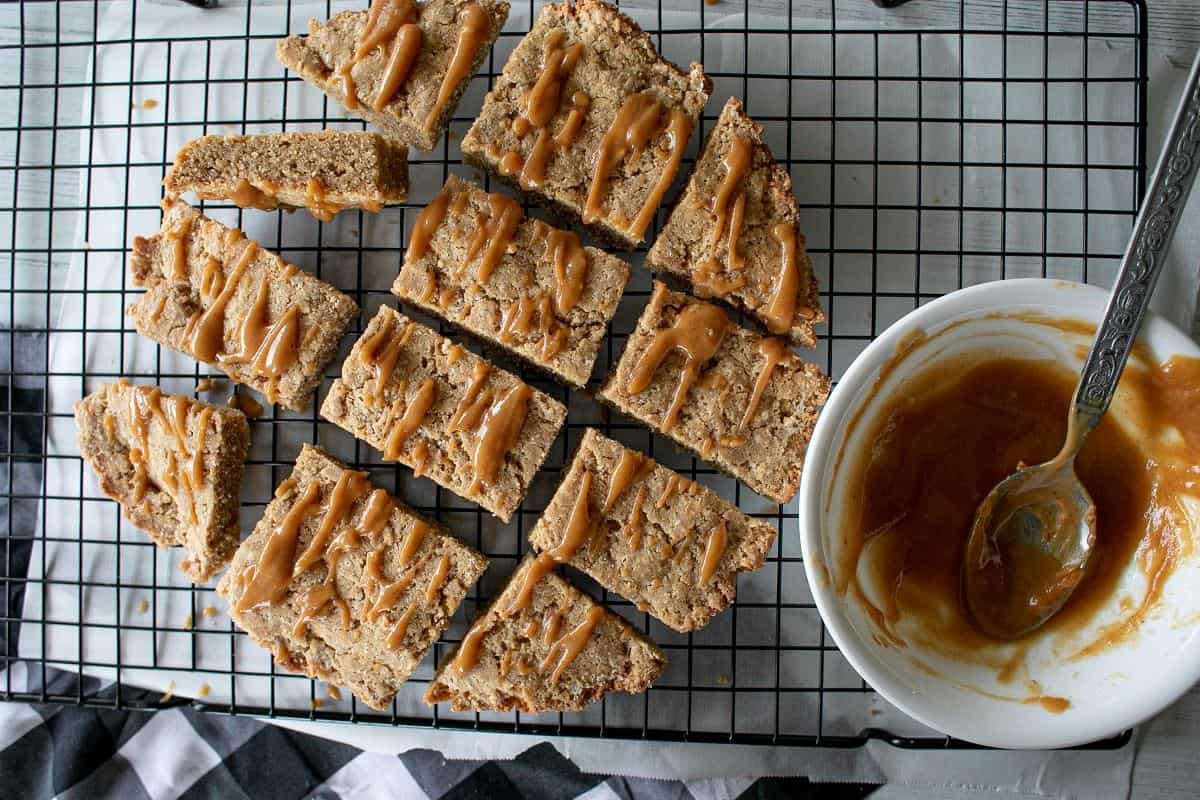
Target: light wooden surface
x: 1166, y: 765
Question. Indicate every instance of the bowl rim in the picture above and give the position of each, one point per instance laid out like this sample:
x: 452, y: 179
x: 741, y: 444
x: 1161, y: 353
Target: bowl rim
x: 1005, y: 296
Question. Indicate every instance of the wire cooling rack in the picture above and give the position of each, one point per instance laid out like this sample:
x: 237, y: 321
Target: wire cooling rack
x: 932, y: 146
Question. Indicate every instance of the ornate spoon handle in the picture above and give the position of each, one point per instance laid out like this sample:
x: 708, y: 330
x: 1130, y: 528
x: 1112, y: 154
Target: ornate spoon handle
x: 1144, y: 257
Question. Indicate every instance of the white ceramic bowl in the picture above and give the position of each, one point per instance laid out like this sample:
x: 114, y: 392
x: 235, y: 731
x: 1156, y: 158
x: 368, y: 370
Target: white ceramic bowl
x: 1118, y: 687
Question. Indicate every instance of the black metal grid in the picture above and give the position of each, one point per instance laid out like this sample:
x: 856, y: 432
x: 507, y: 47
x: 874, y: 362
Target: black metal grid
x: 930, y: 149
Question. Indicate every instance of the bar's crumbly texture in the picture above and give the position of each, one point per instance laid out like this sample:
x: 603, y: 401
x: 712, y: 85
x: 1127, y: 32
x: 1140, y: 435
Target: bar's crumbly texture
x: 544, y: 645
x: 222, y: 299
x: 743, y: 401
x: 173, y: 463
x: 724, y: 233
x: 668, y: 544
x: 323, y: 171
x: 398, y: 75
x: 427, y: 403
x: 342, y: 582
x: 588, y: 120
x: 542, y: 295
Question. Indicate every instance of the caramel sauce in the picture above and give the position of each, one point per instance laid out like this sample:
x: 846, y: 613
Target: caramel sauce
x: 697, y: 332
x: 772, y: 351
x: 198, y: 453
x: 413, y: 541
x: 405, y: 48
x: 554, y: 334
x: 208, y: 333
x: 537, y: 569
x: 285, y: 487
x: 566, y: 649
x: 420, y: 458
x: 569, y: 132
x: 389, y: 593
x: 668, y: 491
x: 438, y: 580
x: 246, y: 404
x: 156, y: 312
x: 679, y: 128
x: 212, y: 280
x: 957, y: 431
x: 396, y: 636
x: 349, y: 488
x: 247, y: 195
x: 273, y: 572
x: 207, y: 385
x: 636, y: 519
x: 475, y: 24
x: 517, y: 318
x: 629, y: 467
x: 428, y: 222
x: 407, y: 424
x: 552, y: 625
x: 570, y: 261
x: 510, y: 163
x: 498, y: 432
x: 542, y: 103
x: 736, y: 163
x: 718, y: 540
x: 315, y: 202
x: 464, y: 416
x: 380, y: 351
x: 494, y: 235
x: 179, y: 239
x: 637, y: 122
x: 781, y: 308
x: 505, y: 663
x: 386, y: 20
x: 531, y: 630
x: 579, y: 523
x: 468, y: 652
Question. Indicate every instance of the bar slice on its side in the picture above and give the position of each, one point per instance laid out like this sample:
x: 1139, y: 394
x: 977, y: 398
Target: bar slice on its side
x: 426, y: 402
x: 743, y: 401
x: 476, y: 261
x: 543, y: 645
x: 734, y: 233
x: 402, y: 66
x: 670, y: 545
x: 323, y: 171
x: 222, y: 299
x: 173, y: 463
x: 589, y: 120
x: 342, y: 582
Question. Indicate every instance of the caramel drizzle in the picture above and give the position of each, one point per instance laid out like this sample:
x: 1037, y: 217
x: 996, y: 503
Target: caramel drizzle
x: 475, y: 25
x: 470, y: 407
x: 315, y: 600
x: 198, y: 454
x: 273, y: 571
x: 413, y: 541
x: 510, y: 164
x: 636, y: 518
x: 246, y: 404
x: 537, y: 569
x: 212, y: 280
x: 156, y: 312
x: 208, y: 331
x: 552, y: 623
x: 179, y: 238
x: 247, y: 195
x: 628, y: 468
x: 672, y: 484
x: 145, y: 403
x: 567, y: 648
x: 427, y: 224
x: 386, y: 19
x: 679, y: 128
x: 579, y: 524
x: 554, y: 335
x: 737, y: 164
x: 718, y: 540
x: 697, y: 332
x: 438, y: 580
x: 408, y: 422
x: 315, y: 202
x: 454, y: 354
x: 420, y: 458
x: 346, y: 492
x: 496, y: 231
x: 498, y: 433
x: 781, y: 308
x: 773, y: 351
x: 383, y: 361
x: 531, y: 630
x: 543, y: 102
x: 285, y: 487
x: 517, y: 318
x: 468, y: 652
x: 401, y: 627
x: 570, y: 261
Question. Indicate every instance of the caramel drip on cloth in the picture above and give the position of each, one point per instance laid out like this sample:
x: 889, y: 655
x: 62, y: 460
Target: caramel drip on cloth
x: 247, y: 195
x: 380, y: 351
x: 579, y: 525
x: 718, y: 540
x: 639, y: 120
x: 179, y: 239
x: 636, y: 520
x: 393, y: 20
x: 494, y: 234
x: 498, y: 433
x: 315, y: 202
x: 406, y: 423
x: 772, y: 351
x: 628, y: 468
x: 728, y: 209
x: 697, y: 332
x: 566, y: 253
x: 207, y: 337
x: 428, y: 222
x: 566, y: 649
x: 475, y: 25
x: 273, y: 572
x: 781, y: 308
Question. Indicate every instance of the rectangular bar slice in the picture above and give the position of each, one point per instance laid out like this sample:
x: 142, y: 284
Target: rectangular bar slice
x: 734, y: 234
x: 323, y: 171
x: 475, y: 260
x: 222, y: 299
x: 743, y: 401
x: 426, y: 402
x: 543, y: 645
x: 173, y: 463
x: 401, y: 65
x: 670, y: 545
x: 589, y: 120
x: 344, y: 583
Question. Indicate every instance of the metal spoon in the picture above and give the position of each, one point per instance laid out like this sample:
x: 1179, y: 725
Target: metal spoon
x: 1032, y: 536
